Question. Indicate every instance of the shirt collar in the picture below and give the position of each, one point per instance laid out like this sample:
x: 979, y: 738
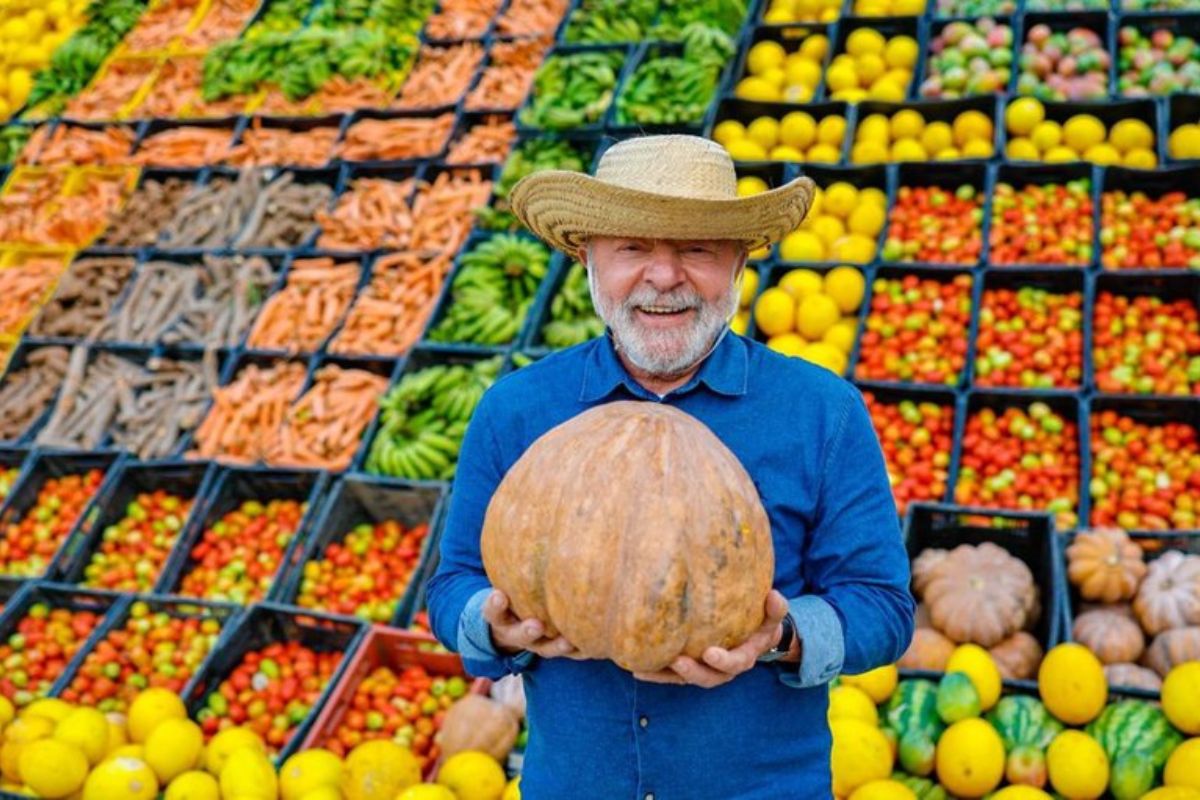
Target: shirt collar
x: 725, y: 371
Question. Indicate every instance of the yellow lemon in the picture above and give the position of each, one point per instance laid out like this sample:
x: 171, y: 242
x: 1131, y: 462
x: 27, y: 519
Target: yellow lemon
x: 850, y: 702
x: 901, y: 52
x: 972, y: 125
x: 173, y: 747
x: 842, y: 335
x: 832, y: 130
x: 117, y: 735
x: 788, y: 344
x: 802, y: 246
x: 908, y: 150
x: 823, y: 154
x: 878, y: 683
x: 784, y: 153
x: 1071, y: 683
x: 815, y: 47
x: 797, y: 129
x: 845, y: 285
x: 127, y: 751
x: 937, y: 136
x: 309, y: 770
x: 801, y: 71
x: 1172, y: 793
x: 1021, y: 149
x: 870, y: 68
x: 868, y: 153
x: 765, y: 131
x: 22, y: 732
x: 978, y: 665
x: 757, y: 89
x: 226, y: 742
x: 978, y: 148
x: 970, y: 758
x: 1103, y: 154
x: 949, y: 154
x: 778, y: 15
x: 513, y: 790
x: 797, y: 94
x: 1183, y: 765
x: 1184, y: 142
x: 853, y: 248
x: 1077, y: 766
x: 1127, y: 134
x: 1046, y: 135
x: 862, y: 41
x: 121, y: 778
x: 1181, y: 697
x: 800, y: 283
x: 860, y: 754
x: 867, y: 219
x: 1060, y: 155
x: 1140, y: 158
x: 150, y: 708
x: 841, y: 198
x: 841, y: 76
x: 747, y: 150
x: 776, y: 77
x: 427, y: 791
x: 249, y: 774
x: 16, y: 30
x: 829, y: 228
x: 20, y: 84
x: 883, y: 790
x: 872, y: 195
x: 816, y: 314
x: 728, y: 131
x: 759, y: 253
x: 1082, y: 131
x: 472, y: 775
x: 51, y: 708
x: 751, y: 185
x: 874, y: 128
x: 1023, y: 115
x: 825, y: 355
x: 1020, y: 793
x: 764, y: 55
x: 52, y: 768
x: 7, y: 712
x: 747, y: 287
x: 888, y: 90
x: 87, y: 729
x: 740, y: 323
x: 907, y: 123
x: 775, y: 312
x: 193, y: 785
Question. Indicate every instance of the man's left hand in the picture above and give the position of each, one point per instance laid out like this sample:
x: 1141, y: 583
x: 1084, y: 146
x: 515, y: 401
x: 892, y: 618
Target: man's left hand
x: 719, y: 666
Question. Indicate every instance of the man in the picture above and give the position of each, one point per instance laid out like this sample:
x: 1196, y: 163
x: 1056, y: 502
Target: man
x: 665, y: 239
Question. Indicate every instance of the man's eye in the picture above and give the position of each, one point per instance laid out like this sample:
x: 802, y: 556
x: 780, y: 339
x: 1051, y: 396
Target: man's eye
x: 630, y: 247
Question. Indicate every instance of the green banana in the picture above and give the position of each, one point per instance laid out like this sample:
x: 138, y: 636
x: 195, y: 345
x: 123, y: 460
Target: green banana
x: 677, y: 90
x: 573, y: 90
x: 572, y: 318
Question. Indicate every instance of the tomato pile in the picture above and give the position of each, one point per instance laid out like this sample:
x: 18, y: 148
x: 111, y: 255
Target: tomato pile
x: 935, y: 225
x: 916, y: 439
x: 238, y: 556
x: 406, y: 706
x: 1140, y: 232
x: 1145, y: 345
x: 1144, y: 477
x: 45, y: 640
x: 366, y: 574
x: 133, y: 551
x: 1021, y: 458
x: 917, y: 330
x: 271, y: 692
x: 28, y: 545
x: 152, y: 649
x: 1049, y: 224
x: 1030, y: 338
x: 420, y: 624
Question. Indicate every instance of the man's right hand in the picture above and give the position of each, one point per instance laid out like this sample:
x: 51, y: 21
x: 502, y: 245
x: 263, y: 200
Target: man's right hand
x: 512, y: 635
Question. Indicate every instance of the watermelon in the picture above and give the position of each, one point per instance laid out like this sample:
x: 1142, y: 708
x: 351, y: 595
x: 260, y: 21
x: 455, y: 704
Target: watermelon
x: 911, y: 712
x: 923, y: 788
x: 1138, y: 739
x: 957, y: 698
x: 1026, y: 728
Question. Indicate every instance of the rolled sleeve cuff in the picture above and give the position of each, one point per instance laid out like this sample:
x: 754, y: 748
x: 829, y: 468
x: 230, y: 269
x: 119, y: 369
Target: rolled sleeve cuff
x: 479, y: 654
x: 824, y: 646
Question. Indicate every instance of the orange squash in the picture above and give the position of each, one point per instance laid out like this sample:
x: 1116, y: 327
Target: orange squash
x: 668, y: 551
x: 980, y: 594
x: 1132, y: 675
x: 1018, y: 657
x: 1169, y: 597
x: 1106, y: 565
x: 476, y: 722
x: 927, y: 650
x: 1172, y: 648
x: 1111, y: 634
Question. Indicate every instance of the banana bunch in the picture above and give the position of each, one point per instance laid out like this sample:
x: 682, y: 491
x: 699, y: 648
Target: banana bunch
x: 341, y: 13
x: 677, y: 90
x: 573, y: 320
x: 423, y: 419
x: 492, y: 291
x: 725, y: 15
x: 609, y: 21
x: 400, y: 16
x: 571, y: 91
x: 533, y: 155
x: 282, y: 16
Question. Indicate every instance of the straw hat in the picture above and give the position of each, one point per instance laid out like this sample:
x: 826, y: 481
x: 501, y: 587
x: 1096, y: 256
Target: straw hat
x: 657, y: 187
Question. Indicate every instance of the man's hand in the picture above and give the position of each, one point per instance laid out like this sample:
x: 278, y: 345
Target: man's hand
x: 511, y: 635
x: 720, y: 666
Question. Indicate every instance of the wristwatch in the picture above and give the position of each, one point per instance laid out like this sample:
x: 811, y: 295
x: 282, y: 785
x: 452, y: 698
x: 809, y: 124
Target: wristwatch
x: 785, y: 642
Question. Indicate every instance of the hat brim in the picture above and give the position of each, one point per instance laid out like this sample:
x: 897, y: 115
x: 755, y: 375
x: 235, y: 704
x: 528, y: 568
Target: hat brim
x: 565, y: 209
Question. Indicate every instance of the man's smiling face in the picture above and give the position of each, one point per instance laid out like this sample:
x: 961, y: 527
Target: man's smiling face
x: 665, y: 301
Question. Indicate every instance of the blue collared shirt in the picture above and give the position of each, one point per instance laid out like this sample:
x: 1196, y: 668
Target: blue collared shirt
x: 805, y: 437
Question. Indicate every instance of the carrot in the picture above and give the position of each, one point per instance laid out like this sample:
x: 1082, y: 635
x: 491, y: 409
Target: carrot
x: 243, y: 422
x: 186, y: 146
x: 531, y: 17
x: 121, y: 81
x: 374, y: 213
x: 33, y: 146
x: 224, y: 20
x: 441, y: 76
x: 461, y: 19
x: 24, y: 202
x: 509, y: 75
x: 323, y: 428
x: 22, y: 289
x: 486, y: 143
x: 160, y: 24
x: 397, y: 139
x: 339, y: 95
x: 444, y: 210
x: 79, y: 218
x: 74, y: 144
x: 277, y: 146
x: 388, y: 318
x: 300, y: 316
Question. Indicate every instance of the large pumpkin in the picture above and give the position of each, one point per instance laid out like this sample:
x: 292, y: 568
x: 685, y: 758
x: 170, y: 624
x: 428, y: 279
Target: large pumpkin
x: 1169, y: 596
x: 635, y: 533
x: 1106, y: 565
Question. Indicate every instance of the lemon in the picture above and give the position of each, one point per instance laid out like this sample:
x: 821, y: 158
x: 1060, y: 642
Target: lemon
x: 51, y: 708
x: 825, y: 355
x: 841, y: 76
x: 865, y: 40
x: 472, y: 775
x: 1023, y: 115
x: 309, y: 770
x: 173, y: 747
x: 740, y: 323
x: 970, y: 758
x: 815, y: 47
x: 824, y: 154
x: 121, y: 778
x: 1021, y: 149
x: 87, y: 729
x: 868, y: 153
x: 6, y: 711
x: 784, y: 153
x: 972, y: 125
x: 871, y: 195
x: 16, y: 29
x: 867, y: 219
x: 908, y: 150
x: 757, y: 89
x: 1046, y: 135
x: 874, y: 128
x: 850, y: 702
x: 22, y: 732
x: 845, y: 286
x: 513, y: 790
x: 1082, y: 131
x: 759, y: 253
x: 1071, y: 683
x: 802, y: 72
x: 841, y: 198
x: 777, y: 15
x: 127, y: 751
x: 765, y: 131
x: 226, y: 742
x: 908, y: 8
x: 901, y: 52
x: 788, y: 344
x: 978, y: 665
x: 52, y: 768
x: 798, y: 94
x: 1128, y: 134
x: 747, y: 150
x: 937, y: 136
x: 765, y: 55
x: 978, y: 148
x: 854, y: 248
x: 907, y: 124
x: 728, y: 131
x: 829, y: 228
x: 800, y: 283
x: 1179, y: 692
x: 1017, y: 792
x: 832, y: 130
x: 1183, y: 766
x: 775, y: 312
x: 1140, y: 158
x: 426, y: 791
x: 1077, y: 765
x: 150, y: 708
x: 20, y: 84
x: 888, y: 90
x: 747, y: 287
x: 802, y: 246
x: 870, y: 68
x: 751, y: 185
x: 1184, y: 142
x: 816, y: 314
x: 842, y: 335
x: 776, y: 77
x: 949, y: 154
x: 797, y: 129
x: 1060, y: 154
x: 860, y: 754
x: 883, y: 790
x: 249, y: 774
x: 193, y: 785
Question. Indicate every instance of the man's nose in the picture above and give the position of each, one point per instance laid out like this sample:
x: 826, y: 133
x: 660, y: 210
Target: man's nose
x: 665, y: 270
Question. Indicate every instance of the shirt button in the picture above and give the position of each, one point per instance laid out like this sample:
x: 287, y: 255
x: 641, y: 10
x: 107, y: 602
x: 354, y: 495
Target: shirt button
x: 644, y: 721
x: 649, y: 796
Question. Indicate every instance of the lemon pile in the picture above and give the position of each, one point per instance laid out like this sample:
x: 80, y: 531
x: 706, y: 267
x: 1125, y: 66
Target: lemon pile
x: 748, y: 288
x: 797, y: 136
x: 812, y: 317
x: 872, y: 68
x: 30, y: 32
x: 843, y: 225
x: 906, y: 136
x: 773, y: 75
x: 785, y: 12
x: 1184, y: 141
x: 1083, y: 137
x: 889, y: 8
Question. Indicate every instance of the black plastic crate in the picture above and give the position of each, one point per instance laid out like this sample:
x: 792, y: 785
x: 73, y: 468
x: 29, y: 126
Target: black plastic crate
x: 361, y: 499
x: 349, y: 176
x: 17, y: 362
x: 1181, y: 109
x: 230, y: 489
x: 745, y: 111
x: 1155, y: 184
x: 264, y: 624
x: 386, y: 115
x: 12, y: 465
x: 294, y: 125
x: 860, y: 177
x: 621, y: 57
x: 934, y: 110
x: 1021, y: 176
x: 1097, y: 22
x: 617, y: 120
x: 949, y: 177
x: 155, y: 127
x: 1179, y: 24
x: 790, y: 36
x: 938, y: 27
x: 1108, y: 112
x: 889, y: 27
